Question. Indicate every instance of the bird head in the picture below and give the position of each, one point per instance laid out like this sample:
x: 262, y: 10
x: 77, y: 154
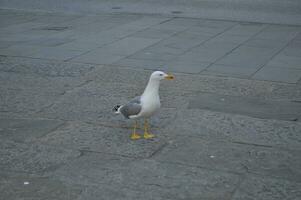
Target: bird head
x: 159, y: 75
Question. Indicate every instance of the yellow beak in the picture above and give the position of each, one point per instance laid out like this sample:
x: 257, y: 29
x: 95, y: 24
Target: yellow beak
x: 169, y: 77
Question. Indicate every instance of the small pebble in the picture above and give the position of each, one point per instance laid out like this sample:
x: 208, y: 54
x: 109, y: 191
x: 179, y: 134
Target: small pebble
x: 26, y: 183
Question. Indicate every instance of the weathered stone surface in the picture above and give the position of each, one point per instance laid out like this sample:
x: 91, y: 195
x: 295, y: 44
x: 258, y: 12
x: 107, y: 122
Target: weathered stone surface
x: 147, y: 179
x: 33, y: 158
x: 232, y: 157
x: 263, y: 188
x: 213, y: 126
x: 260, y: 108
x: 39, y: 83
x: 197, y: 83
x: 26, y: 186
x: 46, y: 68
x: 26, y: 130
x: 90, y: 137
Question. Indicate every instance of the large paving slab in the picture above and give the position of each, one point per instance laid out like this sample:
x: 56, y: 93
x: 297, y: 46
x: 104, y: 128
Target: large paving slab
x: 90, y: 137
x: 266, y: 189
x: 268, y: 11
x: 39, y: 83
x: 26, y: 130
x: 259, y: 108
x: 28, y: 186
x: 147, y: 179
x: 196, y: 83
x: 220, y: 126
x: 232, y: 157
x: 33, y: 158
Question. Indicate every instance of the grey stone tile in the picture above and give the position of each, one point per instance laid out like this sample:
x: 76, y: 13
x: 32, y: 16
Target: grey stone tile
x: 194, y: 34
x: 33, y: 158
x: 86, y: 43
x: 5, y: 44
x: 259, y: 108
x: 183, y: 22
x: 263, y: 188
x: 154, y: 33
x: 13, y: 186
x: 21, y: 130
x: 83, y: 136
x: 231, y: 157
x: 185, y: 67
x: 147, y: 179
x: 97, y: 57
x: 292, y: 50
x: 56, y: 53
x: 217, y: 24
x: 247, y: 56
x: 19, y: 50
x: 203, y: 29
x: 208, y: 52
x: 43, y: 68
x: 95, y: 28
x: 10, y: 20
x: 197, y: 83
x: 232, y: 71
x: 50, y: 18
x: 150, y: 55
x: 22, y: 27
x: 130, y: 28
x: 287, y: 75
x: 49, y: 42
x: 169, y: 27
x: 246, y: 29
x: 141, y: 64
x: 182, y: 43
x: 147, y: 21
x: 119, y: 192
x: 264, y: 43
x: 161, y: 48
x: 284, y: 61
x: 298, y: 37
x: 127, y: 46
x: 278, y: 32
x: 37, y: 86
x: 217, y: 126
x: 225, y: 38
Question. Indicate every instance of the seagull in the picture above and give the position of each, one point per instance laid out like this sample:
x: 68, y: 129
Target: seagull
x: 144, y: 106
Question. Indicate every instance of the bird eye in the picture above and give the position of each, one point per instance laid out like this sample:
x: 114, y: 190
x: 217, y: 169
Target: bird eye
x: 161, y: 74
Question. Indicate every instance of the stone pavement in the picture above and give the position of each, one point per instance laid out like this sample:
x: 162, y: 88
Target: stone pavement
x: 229, y: 127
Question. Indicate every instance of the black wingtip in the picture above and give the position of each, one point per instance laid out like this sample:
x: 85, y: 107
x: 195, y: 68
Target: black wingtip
x: 115, y: 109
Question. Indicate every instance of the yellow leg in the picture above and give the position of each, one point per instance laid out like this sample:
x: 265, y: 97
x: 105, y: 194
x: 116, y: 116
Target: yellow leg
x: 147, y: 135
x: 134, y: 135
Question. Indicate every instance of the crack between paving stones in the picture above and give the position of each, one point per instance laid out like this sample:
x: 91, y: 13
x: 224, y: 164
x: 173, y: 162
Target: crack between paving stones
x: 201, y: 167
x: 272, y: 177
x: 242, y: 178
x: 276, y: 53
x: 239, y: 45
x: 117, y: 39
x: 85, y: 151
x: 157, y: 151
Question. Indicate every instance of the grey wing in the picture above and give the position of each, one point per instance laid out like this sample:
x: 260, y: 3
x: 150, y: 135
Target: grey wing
x: 131, y: 108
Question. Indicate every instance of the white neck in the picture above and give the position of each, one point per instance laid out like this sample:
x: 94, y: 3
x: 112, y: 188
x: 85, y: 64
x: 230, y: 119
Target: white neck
x: 152, y: 88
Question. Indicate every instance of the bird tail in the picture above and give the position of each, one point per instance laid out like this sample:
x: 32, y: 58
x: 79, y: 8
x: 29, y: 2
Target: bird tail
x: 116, y: 109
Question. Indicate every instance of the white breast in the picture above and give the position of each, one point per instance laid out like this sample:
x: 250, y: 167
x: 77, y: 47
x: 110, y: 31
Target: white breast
x: 150, y: 105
